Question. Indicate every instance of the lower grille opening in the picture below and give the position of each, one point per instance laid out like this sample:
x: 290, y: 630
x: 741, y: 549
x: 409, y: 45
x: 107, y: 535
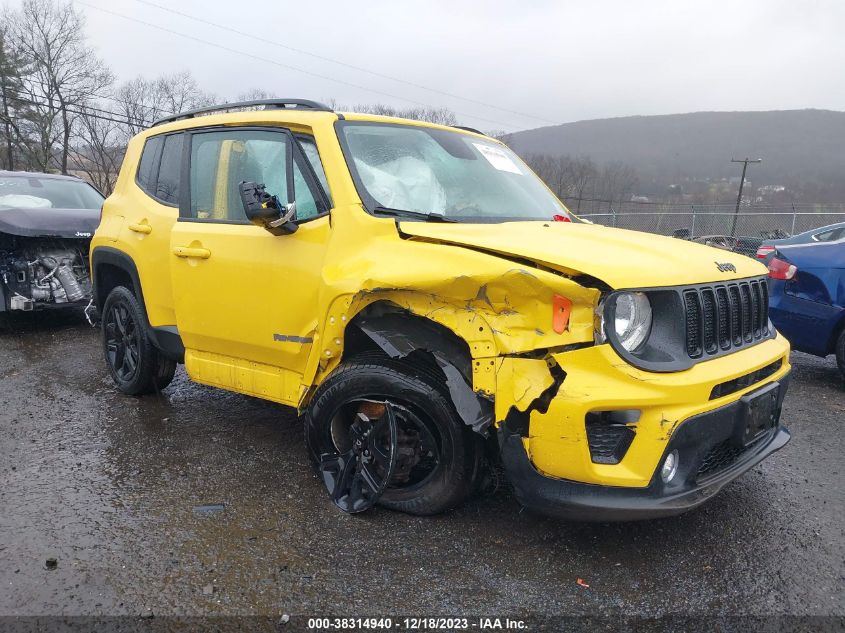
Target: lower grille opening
x: 738, y: 384
x: 720, y: 457
x: 608, y: 437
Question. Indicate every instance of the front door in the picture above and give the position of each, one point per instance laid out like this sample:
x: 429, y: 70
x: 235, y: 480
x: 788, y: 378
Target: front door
x: 246, y: 300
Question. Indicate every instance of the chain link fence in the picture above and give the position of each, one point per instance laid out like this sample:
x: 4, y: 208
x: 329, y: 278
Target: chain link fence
x: 693, y: 221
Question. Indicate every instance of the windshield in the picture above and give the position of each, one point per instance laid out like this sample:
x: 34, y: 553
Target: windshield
x: 32, y: 192
x: 450, y: 174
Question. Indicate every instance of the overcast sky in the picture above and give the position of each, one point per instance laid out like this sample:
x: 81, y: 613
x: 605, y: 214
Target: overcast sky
x: 505, y: 65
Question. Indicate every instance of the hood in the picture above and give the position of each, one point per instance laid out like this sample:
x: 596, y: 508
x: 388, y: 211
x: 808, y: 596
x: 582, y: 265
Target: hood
x: 49, y: 222
x: 618, y: 257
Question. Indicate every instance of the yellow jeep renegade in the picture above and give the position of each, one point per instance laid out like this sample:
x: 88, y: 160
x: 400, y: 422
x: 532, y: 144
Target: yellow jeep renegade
x: 432, y: 309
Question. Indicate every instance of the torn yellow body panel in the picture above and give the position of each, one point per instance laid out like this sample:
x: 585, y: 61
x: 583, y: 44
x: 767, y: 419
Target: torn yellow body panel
x: 519, y: 382
x: 495, y: 305
x: 597, y: 379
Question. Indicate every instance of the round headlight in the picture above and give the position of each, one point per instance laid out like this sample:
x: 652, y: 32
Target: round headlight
x: 633, y: 319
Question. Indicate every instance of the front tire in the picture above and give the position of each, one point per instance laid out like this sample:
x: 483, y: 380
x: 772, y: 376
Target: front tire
x: 135, y: 365
x: 439, y: 455
x: 840, y: 352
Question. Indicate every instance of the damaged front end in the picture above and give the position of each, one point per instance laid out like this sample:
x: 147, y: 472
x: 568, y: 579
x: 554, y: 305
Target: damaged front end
x: 38, y: 273
x: 590, y: 437
x: 489, y: 337
x: 584, y: 428
x: 46, y: 224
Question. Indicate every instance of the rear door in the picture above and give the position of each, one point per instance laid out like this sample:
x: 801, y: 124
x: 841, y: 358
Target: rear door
x: 148, y: 219
x: 241, y: 293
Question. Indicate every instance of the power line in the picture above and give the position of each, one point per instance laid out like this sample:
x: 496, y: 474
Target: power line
x: 277, y: 63
x: 123, y: 117
x: 345, y: 64
x: 144, y: 122
x: 122, y: 121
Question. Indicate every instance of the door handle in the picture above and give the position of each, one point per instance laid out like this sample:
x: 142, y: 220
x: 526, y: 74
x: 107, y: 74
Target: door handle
x: 146, y: 229
x: 186, y: 251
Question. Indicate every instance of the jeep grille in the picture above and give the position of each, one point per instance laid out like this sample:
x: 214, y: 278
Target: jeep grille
x: 726, y: 316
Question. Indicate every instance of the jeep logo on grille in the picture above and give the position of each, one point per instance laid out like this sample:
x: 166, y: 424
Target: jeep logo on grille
x: 726, y: 267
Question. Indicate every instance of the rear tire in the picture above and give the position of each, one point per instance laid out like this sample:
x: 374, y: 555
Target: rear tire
x: 435, y: 483
x: 135, y: 365
x: 840, y: 352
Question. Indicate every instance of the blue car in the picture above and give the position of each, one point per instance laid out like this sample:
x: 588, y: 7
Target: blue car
x: 830, y: 233
x: 807, y: 297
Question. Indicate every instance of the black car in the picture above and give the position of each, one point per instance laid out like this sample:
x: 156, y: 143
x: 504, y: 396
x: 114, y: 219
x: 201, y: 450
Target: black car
x: 46, y: 224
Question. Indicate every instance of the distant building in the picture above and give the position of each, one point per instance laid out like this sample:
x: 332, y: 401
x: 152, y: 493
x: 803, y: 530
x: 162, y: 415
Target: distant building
x: 768, y: 190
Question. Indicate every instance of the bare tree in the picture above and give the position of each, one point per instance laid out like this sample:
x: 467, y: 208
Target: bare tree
x: 180, y: 92
x: 616, y: 182
x: 63, y: 72
x: 577, y: 179
x: 142, y: 101
x: 500, y: 135
x: 442, y: 116
x: 102, y: 139
x: 256, y: 94
x: 11, y: 106
x: 98, y: 152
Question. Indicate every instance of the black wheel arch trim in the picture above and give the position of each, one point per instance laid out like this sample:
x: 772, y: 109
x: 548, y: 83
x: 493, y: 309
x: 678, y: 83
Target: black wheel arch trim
x: 165, y: 338
x: 398, y: 334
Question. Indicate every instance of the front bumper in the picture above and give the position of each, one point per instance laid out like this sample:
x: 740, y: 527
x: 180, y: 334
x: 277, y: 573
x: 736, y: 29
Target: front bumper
x: 709, y: 459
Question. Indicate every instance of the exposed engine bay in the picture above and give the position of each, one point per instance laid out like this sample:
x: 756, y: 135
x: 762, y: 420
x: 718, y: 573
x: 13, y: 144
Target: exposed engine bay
x: 41, y: 272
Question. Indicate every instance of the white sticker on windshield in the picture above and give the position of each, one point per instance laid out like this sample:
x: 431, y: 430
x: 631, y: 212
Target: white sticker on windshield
x: 498, y: 158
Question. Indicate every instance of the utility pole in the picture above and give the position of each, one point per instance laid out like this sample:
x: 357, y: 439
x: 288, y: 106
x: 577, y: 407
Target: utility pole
x: 744, y: 162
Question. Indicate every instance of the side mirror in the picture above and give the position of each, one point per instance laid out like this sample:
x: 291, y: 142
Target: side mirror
x: 266, y: 210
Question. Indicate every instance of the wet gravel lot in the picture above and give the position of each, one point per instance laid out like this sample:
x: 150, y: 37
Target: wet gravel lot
x: 109, y: 486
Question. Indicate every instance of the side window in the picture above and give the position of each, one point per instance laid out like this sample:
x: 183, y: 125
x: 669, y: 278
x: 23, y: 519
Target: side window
x: 830, y: 236
x: 220, y: 161
x: 148, y: 167
x: 167, y: 186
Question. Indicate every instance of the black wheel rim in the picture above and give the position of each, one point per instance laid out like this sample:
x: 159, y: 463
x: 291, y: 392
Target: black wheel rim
x: 418, y: 445
x: 419, y: 450
x: 122, y: 341
x: 356, y: 477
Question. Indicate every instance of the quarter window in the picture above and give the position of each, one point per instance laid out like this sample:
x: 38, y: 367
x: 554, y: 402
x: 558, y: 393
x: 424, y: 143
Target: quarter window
x: 830, y: 236
x: 309, y: 148
x: 167, y: 186
x: 148, y: 168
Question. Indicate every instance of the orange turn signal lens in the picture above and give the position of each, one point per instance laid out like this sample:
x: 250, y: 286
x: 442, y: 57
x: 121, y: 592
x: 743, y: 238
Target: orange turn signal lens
x: 561, y: 309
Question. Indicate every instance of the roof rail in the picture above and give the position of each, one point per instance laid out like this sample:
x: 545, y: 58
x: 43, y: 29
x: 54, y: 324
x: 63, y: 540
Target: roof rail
x: 298, y: 104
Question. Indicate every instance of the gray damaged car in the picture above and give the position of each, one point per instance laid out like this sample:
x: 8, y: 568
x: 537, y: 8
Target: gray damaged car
x: 46, y: 224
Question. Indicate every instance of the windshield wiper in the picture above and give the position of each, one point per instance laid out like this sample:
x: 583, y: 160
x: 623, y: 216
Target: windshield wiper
x: 417, y: 215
